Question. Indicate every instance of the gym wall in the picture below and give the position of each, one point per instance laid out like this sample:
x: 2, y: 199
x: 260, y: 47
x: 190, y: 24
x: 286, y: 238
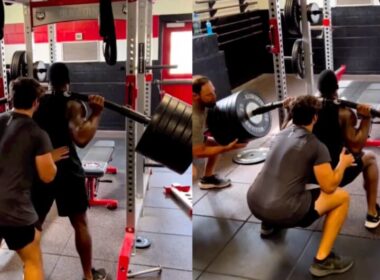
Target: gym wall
x: 14, y: 32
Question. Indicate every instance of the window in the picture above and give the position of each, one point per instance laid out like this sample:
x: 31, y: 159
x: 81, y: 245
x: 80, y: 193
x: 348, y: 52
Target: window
x: 181, y: 52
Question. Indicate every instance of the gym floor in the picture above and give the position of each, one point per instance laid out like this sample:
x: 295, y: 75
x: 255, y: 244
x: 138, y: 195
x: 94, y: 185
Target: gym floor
x: 165, y: 223
x: 227, y: 243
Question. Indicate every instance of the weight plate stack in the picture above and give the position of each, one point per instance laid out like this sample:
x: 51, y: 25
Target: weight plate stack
x: 167, y: 138
x: 298, y: 58
x: 229, y: 120
x: 18, y: 66
x: 292, y: 14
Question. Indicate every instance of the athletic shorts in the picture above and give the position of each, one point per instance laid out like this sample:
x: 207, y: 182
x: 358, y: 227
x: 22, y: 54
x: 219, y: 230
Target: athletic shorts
x: 70, y: 196
x: 17, y: 237
x: 312, y: 215
x: 349, y: 174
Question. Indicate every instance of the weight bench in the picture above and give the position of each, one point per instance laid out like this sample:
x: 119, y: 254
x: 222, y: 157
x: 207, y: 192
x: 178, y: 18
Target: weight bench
x: 95, y: 165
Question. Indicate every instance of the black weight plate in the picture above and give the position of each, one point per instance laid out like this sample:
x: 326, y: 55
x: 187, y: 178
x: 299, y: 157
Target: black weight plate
x: 313, y: 13
x: 175, y: 120
x: 298, y: 58
x: 39, y: 71
x: 18, y: 67
x: 256, y: 126
x: 234, y: 125
x: 188, y: 129
x: 292, y: 15
x: 251, y: 156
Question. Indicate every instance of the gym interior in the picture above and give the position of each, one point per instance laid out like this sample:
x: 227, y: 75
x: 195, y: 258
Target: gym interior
x: 273, y: 50
x: 140, y: 206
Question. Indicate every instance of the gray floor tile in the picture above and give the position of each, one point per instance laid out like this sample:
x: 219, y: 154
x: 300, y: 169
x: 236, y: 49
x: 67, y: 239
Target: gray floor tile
x: 155, y: 197
x: 166, y: 274
x: 69, y: 268
x: 365, y: 252
x: 111, y: 219
x: 196, y: 274
x: 172, y: 251
x: 198, y: 193
x: 106, y: 242
x: 55, y: 237
x: 228, y: 203
x: 161, y: 179
x: 210, y: 236
x: 11, y: 265
x: 248, y: 255
x: 212, y: 276
x: 170, y: 221
x: 245, y: 174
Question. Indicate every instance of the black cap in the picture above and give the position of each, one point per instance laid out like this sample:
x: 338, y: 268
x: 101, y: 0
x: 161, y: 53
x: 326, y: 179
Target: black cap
x: 58, y: 74
x: 327, y: 83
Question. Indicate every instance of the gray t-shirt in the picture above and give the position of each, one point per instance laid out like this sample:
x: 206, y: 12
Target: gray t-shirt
x: 21, y: 140
x: 278, y: 194
x: 199, y: 124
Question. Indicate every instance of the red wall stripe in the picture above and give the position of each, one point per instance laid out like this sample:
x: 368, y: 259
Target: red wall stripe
x: 14, y: 33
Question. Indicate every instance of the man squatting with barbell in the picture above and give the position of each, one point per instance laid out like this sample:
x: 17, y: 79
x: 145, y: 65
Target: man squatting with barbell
x: 66, y: 124
x: 204, y: 97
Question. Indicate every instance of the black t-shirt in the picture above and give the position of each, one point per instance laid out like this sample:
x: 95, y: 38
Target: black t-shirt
x: 21, y: 140
x: 51, y: 116
x: 328, y: 131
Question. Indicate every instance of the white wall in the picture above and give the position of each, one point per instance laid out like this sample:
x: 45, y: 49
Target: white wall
x: 165, y: 7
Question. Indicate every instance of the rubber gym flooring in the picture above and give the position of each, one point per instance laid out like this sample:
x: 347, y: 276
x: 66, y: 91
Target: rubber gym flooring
x: 164, y: 222
x: 226, y: 239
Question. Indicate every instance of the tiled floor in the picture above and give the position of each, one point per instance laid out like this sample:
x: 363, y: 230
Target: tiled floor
x: 227, y: 243
x: 165, y: 223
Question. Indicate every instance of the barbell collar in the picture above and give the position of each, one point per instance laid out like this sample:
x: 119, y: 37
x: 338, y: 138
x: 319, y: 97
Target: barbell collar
x: 123, y: 110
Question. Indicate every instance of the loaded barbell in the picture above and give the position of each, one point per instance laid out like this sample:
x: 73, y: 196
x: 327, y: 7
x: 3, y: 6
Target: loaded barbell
x: 245, y: 116
x: 167, y: 137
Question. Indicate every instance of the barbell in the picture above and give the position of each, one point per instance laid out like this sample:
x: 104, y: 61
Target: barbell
x: 19, y: 67
x: 245, y: 116
x: 167, y: 137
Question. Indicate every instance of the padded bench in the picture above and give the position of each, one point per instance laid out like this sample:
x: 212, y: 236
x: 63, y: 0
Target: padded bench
x: 95, y: 165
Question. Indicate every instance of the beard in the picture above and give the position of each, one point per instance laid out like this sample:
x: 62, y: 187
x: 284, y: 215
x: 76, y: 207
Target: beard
x: 209, y: 104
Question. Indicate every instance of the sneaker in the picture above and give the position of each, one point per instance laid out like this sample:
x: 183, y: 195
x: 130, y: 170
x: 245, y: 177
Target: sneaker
x: 213, y: 182
x: 372, y: 222
x: 98, y: 274
x: 333, y: 264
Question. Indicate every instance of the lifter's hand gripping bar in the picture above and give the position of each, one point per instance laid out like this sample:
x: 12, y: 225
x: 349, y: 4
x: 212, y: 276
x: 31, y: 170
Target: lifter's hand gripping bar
x: 353, y: 105
x: 123, y: 110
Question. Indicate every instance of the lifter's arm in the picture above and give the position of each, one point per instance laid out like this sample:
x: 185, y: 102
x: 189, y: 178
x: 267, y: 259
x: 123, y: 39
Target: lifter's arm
x: 355, y: 137
x: 328, y: 178
x: 83, y: 130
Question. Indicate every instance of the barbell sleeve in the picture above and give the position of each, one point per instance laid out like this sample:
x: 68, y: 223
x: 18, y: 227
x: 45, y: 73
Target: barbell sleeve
x: 123, y: 110
x: 266, y: 108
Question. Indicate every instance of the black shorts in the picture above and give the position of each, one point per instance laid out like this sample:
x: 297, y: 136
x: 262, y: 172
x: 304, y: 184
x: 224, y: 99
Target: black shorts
x: 349, y: 174
x: 69, y: 194
x: 352, y: 172
x: 312, y: 215
x: 17, y: 237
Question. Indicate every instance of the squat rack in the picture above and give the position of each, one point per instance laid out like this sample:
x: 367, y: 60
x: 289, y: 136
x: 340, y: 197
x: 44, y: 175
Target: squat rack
x: 137, y: 83
x: 277, y: 48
